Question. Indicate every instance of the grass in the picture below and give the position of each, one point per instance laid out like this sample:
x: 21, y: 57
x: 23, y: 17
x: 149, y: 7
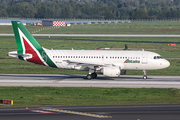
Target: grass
x: 53, y: 96
x: 162, y: 27
x: 155, y: 27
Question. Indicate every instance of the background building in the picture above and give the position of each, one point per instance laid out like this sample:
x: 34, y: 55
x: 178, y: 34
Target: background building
x: 53, y: 23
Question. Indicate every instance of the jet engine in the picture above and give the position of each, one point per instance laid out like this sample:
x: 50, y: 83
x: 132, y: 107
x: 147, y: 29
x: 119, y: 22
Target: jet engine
x: 111, y: 71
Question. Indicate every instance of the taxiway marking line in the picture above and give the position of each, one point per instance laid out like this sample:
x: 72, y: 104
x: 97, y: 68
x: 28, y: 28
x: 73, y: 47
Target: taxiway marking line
x: 79, y: 113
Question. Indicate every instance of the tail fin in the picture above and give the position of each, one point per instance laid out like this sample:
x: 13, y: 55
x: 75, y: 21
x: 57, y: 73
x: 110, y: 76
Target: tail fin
x: 24, y: 37
x: 28, y: 47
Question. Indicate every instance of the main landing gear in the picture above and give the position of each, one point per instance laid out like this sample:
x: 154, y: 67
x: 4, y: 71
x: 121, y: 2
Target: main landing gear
x: 91, y: 76
x: 144, y: 76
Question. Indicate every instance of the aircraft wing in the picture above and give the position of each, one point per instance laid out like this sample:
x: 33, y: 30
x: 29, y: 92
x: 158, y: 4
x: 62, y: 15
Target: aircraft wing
x: 86, y: 64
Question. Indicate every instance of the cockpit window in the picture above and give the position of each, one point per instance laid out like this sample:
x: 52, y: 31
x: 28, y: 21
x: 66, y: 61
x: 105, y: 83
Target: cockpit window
x: 158, y: 57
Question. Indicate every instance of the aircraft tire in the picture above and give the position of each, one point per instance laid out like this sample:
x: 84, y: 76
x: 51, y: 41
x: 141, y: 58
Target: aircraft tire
x: 89, y: 76
x: 144, y: 77
x: 94, y: 75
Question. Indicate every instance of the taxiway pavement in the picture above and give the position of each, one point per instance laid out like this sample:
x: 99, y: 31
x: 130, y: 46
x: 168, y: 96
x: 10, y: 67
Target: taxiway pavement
x: 57, y: 80
x: 117, y: 112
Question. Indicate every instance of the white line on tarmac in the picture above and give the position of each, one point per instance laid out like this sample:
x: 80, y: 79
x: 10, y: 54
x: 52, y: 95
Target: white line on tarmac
x: 27, y: 81
x: 120, y: 82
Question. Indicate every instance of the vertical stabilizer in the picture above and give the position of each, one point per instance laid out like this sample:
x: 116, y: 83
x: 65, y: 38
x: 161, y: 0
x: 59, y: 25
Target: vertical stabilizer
x: 28, y: 47
x: 22, y: 36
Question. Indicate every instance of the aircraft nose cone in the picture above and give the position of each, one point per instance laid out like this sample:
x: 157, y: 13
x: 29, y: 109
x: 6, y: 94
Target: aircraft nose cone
x: 166, y: 64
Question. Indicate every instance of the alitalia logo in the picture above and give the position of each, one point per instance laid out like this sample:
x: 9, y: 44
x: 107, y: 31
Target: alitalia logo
x: 131, y: 61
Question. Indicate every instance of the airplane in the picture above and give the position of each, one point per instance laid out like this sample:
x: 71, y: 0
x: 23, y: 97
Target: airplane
x: 112, y: 63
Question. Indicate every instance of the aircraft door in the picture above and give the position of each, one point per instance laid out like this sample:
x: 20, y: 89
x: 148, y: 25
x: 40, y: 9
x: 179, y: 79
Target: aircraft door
x: 144, y: 58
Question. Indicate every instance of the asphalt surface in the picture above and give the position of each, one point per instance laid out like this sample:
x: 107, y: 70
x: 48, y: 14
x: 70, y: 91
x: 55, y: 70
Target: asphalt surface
x: 57, y: 80
x: 118, y: 112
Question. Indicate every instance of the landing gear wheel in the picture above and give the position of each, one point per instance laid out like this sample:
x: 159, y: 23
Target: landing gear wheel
x: 144, y: 77
x: 89, y: 76
x: 94, y: 75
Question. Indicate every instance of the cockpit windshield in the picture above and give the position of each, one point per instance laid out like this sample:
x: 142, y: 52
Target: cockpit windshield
x: 158, y: 57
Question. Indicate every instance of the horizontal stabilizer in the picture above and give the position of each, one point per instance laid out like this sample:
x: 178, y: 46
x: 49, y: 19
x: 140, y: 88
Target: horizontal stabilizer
x: 15, y: 55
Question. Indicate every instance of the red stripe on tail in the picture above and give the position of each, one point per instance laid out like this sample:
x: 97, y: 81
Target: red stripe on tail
x: 29, y: 50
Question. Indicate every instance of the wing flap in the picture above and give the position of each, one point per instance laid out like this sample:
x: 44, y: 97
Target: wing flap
x: 83, y: 63
x: 92, y: 65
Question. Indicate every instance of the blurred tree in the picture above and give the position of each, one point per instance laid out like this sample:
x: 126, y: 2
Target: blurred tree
x: 108, y: 9
x: 3, y: 13
x: 109, y: 15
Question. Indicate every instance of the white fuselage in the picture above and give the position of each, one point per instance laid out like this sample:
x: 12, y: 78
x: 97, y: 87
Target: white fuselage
x: 126, y: 60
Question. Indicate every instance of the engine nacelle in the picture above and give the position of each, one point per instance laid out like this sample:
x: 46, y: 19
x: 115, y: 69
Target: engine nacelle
x: 111, y: 71
x: 123, y: 72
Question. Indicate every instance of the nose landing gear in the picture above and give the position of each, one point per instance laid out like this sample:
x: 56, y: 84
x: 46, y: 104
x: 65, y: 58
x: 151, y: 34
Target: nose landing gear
x: 144, y: 76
